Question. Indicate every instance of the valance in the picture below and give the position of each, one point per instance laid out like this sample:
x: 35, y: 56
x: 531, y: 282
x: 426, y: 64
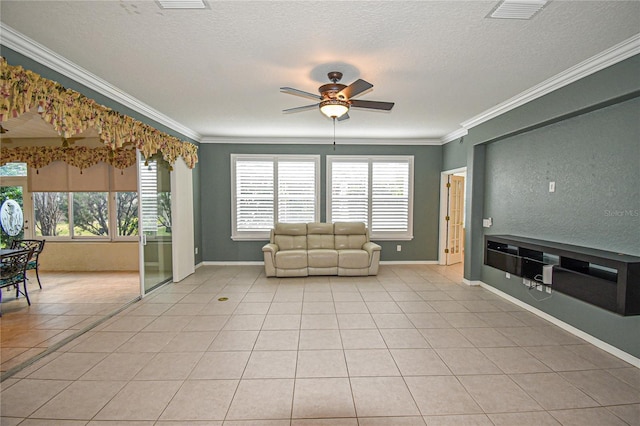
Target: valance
x: 81, y: 157
x: 71, y: 113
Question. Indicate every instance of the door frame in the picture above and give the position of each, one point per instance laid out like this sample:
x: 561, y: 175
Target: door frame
x: 442, y: 240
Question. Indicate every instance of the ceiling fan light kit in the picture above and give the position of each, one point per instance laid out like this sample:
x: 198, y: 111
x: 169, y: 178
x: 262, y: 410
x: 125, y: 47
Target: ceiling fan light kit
x: 334, y: 108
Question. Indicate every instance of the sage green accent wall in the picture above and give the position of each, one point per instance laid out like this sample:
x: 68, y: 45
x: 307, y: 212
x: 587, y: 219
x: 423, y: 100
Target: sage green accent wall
x: 454, y: 154
x: 594, y: 160
x: 215, y: 196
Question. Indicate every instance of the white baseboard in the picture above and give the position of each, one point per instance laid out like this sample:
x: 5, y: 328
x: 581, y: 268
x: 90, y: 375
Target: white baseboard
x: 254, y: 263
x: 567, y: 327
x: 232, y: 263
x: 471, y: 282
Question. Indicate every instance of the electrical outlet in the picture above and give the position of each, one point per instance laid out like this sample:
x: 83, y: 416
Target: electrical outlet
x: 526, y: 282
x: 508, y: 275
x: 539, y: 287
x: 398, y: 247
x: 196, y: 250
x: 548, y: 289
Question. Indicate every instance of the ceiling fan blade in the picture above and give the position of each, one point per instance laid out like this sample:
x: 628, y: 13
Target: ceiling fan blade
x: 299, y: 109
x: 355, y: 88
x: 386, y: 106
x: 292, y: 91
x: 343, y: 117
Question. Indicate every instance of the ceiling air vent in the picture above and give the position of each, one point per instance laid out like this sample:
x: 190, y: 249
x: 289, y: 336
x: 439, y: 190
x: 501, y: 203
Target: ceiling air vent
x: 517, y: 9
x: 182, y: 4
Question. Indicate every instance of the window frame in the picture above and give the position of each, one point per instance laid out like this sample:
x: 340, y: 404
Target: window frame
x: 237, y: 235
x: 370, y: 160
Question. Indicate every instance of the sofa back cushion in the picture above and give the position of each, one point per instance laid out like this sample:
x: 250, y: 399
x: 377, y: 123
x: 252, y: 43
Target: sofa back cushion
x: 320, y: 236
x: 290, y: 236
x: 349, y: 235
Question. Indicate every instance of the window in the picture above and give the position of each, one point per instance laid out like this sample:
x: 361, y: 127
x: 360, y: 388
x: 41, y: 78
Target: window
x: 78, y: 215
x: 376, y: 190
x: 14, y: 169
x: 268, y: 188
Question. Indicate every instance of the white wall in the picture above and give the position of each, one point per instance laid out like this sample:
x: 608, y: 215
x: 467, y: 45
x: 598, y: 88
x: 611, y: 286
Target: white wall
x: 182, y: 220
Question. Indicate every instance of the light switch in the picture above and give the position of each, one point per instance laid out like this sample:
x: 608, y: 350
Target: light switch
x: 487, y: 222
x: 552, y: 187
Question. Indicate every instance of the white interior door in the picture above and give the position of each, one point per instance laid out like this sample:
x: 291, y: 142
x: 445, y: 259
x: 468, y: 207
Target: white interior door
x: 455, y: 220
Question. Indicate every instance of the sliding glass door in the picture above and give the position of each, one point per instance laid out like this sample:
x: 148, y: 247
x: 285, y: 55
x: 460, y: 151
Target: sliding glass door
x: 155, y: 223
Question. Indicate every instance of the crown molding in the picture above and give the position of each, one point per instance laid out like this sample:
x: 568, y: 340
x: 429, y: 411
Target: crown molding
x: 607, y: 58
x: 456, y: 134
x: 319, y: 141
x: 31, y: 49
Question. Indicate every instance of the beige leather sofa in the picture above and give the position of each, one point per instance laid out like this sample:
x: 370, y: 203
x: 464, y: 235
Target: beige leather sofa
x: 302, y: 249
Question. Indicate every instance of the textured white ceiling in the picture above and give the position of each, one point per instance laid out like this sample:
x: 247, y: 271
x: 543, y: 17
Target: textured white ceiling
x: 218, y: 70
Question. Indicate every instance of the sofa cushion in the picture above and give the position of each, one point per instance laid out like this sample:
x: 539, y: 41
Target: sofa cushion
x: 348, y: 228
x: 345, y: 242
x: 291, y: 259
x: 353, y: 259
x: 349, y: 235
x: 290, y: 236
x: 322, y: 258
x: 320, y: 236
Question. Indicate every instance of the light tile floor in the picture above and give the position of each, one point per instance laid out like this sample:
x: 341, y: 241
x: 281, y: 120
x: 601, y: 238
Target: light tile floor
x: 412, y: 346
x: 67, y: 303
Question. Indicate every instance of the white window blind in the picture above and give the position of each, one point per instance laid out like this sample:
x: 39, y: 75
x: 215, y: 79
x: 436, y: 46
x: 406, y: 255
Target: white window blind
x: 296, y: 191
x: 350, y: 192
x: 149, y: 196
x: 254, y: 195
x: 266, y: 188
x: 375, y: 190
x: 390, y: 197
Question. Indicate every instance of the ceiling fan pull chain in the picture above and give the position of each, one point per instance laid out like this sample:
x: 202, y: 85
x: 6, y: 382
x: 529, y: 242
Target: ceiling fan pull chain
x: 334, y: 133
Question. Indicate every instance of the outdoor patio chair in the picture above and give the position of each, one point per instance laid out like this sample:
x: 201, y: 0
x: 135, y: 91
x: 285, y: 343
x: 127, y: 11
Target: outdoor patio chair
x: 13, y: 271
x: 37, y: 246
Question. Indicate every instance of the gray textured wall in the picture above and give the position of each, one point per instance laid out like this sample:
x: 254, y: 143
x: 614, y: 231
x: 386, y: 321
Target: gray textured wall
x: 594, y: 160
x: 215, y: 196
x: 454, y: 154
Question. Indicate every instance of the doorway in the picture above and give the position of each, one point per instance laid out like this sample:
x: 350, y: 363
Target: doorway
x: 15, y: 210
x: 452, y: 216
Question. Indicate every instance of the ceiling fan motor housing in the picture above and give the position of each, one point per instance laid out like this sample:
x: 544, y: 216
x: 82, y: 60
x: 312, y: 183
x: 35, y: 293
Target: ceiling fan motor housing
x: 331, y: 90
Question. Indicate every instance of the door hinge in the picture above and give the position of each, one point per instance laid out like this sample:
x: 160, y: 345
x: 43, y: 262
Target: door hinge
x: 448, y: 185
x: 447, y: 218
x: 446, y: 250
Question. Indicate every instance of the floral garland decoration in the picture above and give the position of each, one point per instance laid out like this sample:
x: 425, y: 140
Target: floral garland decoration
x: 71, y: 113
x: 81, y: 157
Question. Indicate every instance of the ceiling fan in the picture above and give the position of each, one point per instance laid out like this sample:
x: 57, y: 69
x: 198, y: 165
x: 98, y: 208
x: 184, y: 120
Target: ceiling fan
x: 336, y: 99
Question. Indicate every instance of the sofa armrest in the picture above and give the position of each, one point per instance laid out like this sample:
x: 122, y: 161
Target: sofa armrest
x: 374, y: 256
x: 371, y: 248
x: 271, y: 247
x: 269, y: 251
